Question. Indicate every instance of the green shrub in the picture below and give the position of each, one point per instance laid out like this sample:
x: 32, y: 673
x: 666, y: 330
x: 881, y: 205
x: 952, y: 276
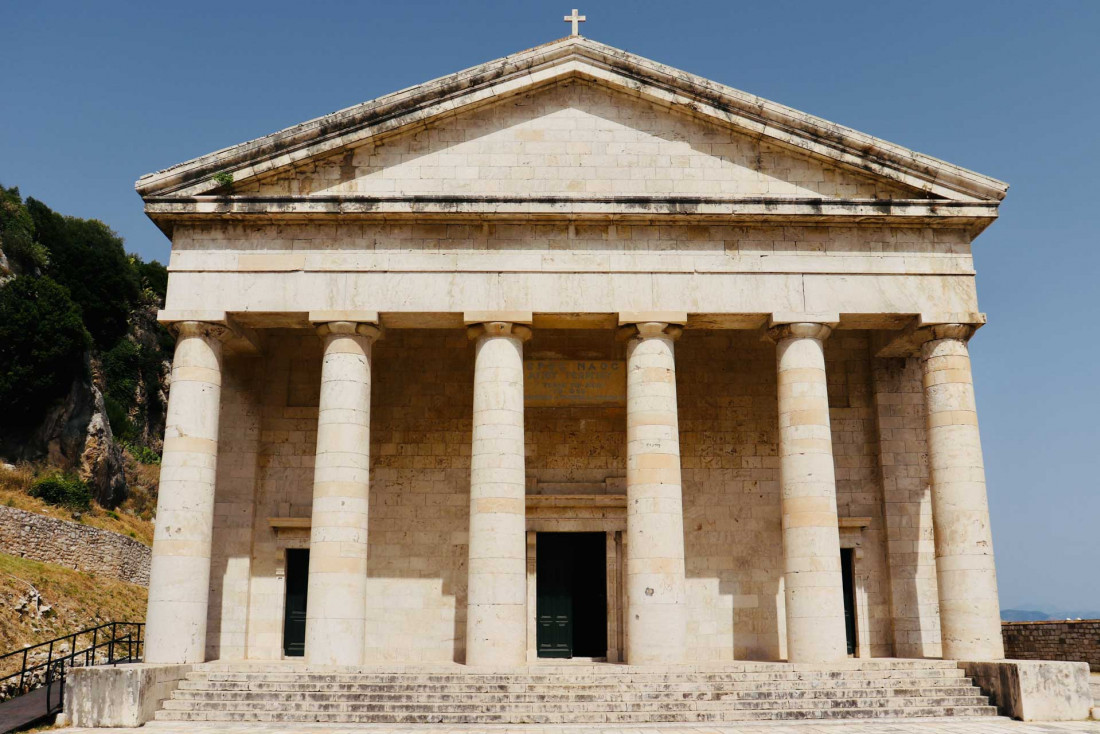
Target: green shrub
x: 145, y: 455
x: 63, y: 490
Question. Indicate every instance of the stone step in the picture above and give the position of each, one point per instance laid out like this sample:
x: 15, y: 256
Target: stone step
x: 469, y: 688
x: 568, y: 706
x: 603, y: 679
x: 494, y: 698
x: 580, y: 717
x: 847, y: 666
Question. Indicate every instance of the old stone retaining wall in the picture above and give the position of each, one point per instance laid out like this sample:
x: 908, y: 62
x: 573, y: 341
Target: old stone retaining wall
x: 1075, y: 641
x: 70, y: 544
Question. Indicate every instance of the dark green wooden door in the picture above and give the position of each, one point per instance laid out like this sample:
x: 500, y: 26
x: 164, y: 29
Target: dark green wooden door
x: 554, y: 599
x: 294, y: 615
x: 571, y: 595
x: 847, y: 578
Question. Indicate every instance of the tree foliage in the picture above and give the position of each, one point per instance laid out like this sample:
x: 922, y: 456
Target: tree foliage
x: 17, y: 239
x: 42, y: 341
x: 88, y: 258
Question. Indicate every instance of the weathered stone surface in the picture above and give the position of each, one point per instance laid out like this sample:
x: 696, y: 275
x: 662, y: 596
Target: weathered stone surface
x: 121, y: 695
x: 1034, y: 690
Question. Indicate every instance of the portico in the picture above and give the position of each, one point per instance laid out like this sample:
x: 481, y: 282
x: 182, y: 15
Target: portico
x: 583, y: 294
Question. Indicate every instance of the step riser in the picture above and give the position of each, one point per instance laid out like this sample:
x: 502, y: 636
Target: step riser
x: 600, y: 718
x: 662, y: 707
x: 491, y: 698
x: 557, y: 680
x: 500, y: 689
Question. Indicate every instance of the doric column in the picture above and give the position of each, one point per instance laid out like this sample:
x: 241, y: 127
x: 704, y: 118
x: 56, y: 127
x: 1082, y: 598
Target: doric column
x: 496, y: 616
x: 811, y: 541
x: 970, y: 615
x: 654, y: 565
x: 336, y: 598
x: 179, y: 577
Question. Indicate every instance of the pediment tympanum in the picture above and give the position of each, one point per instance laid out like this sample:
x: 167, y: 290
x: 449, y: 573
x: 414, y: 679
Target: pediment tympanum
x: 573, y: 138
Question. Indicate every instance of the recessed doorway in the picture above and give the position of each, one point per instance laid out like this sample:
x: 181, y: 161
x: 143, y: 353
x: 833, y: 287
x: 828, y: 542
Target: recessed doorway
x: 571, y: 595
x: 294, y: 613
x: 847, y: 576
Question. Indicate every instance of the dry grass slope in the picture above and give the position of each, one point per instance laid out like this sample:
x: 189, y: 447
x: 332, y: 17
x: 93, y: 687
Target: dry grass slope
x: 41, y: 601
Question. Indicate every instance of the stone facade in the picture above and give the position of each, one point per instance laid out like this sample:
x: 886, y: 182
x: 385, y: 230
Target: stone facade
x: 789, y: 302
x: 47, y: 539
x: 1069, y: 640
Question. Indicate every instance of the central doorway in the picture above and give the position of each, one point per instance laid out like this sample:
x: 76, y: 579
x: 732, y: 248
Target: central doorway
x: 571, y: 595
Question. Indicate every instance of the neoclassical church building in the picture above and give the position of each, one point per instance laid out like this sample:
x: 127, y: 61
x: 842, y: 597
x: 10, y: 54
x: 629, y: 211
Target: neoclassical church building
x: 571, y: 356
x: 568, y: 359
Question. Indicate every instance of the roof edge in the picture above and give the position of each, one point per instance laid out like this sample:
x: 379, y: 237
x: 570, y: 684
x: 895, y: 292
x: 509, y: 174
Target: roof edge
x: 756, y: 115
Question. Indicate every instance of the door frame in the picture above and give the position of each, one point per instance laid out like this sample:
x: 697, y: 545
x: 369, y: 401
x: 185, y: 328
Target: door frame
x: 613, y: 548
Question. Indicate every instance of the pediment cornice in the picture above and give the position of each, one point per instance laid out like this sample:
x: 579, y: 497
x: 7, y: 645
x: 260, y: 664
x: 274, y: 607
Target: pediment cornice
x: 553, y: 62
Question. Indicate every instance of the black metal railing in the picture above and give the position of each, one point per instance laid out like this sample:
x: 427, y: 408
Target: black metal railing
x: 108, y: 644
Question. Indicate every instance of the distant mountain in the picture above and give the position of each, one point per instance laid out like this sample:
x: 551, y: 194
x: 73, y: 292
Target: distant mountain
x: 1023, y: 615
x: 1027, y: 615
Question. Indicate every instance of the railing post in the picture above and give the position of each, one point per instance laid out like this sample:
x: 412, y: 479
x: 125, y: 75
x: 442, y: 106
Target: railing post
x: 111, y: 644
x: 49, y: 686
x: 23, y: 672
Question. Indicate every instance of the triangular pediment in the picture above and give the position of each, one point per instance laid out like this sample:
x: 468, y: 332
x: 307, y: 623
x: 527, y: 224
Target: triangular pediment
x: 572, y: 119
x: 575, y: 137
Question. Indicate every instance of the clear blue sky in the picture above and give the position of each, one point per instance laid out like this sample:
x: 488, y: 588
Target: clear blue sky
x: 97, y: 93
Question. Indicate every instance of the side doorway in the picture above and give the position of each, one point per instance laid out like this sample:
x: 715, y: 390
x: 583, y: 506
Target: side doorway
x: 294, y: 611
x: 847, y: 571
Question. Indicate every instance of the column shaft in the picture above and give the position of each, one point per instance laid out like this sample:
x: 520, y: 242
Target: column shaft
x: 179, y: 577
x: 496, y: 616
x: 336, y: 599
x: 811, y: 541
x: 970, y: 615
x: 654, y: 567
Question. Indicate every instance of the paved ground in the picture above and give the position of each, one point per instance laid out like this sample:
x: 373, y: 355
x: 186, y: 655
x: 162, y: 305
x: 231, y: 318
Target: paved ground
x: 914, y: 726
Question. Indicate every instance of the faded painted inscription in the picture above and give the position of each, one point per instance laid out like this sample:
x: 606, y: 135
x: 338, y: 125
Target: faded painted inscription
x: 565, y: 382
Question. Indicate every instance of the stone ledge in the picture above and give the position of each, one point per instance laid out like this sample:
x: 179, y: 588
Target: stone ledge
x: 120, y: 696
x: 1034, y: 690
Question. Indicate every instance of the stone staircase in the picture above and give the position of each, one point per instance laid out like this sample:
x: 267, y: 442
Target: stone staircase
x: 574, y: 693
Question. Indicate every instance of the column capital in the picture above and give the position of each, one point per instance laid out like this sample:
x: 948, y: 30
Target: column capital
x: 208, y: 329
x: 799, y: 330
x: 348, y: 328
x: 935, y: 332
x: 650, y: 330
x: 499, y: 328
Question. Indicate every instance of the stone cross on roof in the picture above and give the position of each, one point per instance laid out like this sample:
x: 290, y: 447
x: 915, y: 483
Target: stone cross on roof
x: 575, y: 20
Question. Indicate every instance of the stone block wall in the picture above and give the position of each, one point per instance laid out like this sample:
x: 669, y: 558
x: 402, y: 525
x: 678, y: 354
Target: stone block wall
x: 1070, y: 640
x: 50, y: 540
